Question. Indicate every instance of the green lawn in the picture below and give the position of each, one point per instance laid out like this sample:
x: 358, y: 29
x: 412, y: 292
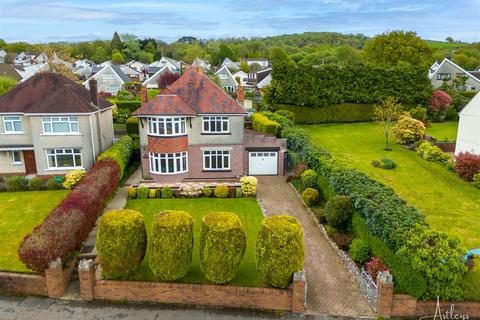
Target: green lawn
x: 445, y: 131
x: 19, y: 213
x: 449, y: 203
x: 247, y: 210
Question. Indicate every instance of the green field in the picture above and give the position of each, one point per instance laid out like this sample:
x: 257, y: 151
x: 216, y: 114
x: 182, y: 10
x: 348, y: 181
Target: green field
x: 247, y: 210
x: 19, y: 213
x: 449, y: 203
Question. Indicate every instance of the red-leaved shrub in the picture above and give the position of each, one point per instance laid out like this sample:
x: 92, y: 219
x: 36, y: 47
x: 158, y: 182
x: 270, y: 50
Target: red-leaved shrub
x: 439, y: 102
x: 374, y: 266
x: 66, y: 227
x: 467, y: 165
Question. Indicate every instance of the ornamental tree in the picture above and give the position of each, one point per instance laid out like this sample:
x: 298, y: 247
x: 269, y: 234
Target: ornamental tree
x: 166, y: 79
x: 386, y: 113
x: 467, y: 165
x: 439, y: 104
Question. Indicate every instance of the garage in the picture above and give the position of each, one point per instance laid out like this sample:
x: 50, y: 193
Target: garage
x: 263, y: 163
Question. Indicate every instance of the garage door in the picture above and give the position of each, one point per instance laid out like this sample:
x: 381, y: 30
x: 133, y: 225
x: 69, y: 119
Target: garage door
x: 262, y: 163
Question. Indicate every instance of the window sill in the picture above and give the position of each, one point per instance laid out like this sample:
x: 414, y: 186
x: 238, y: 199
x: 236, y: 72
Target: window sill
x: 61, y: 134
x: 65, y: 168
x: 216, y: 133
x: 13, y: 133
x: 16, y: 164
x: 168, y: 173
x: 167, y: 136
x: 226, y: 170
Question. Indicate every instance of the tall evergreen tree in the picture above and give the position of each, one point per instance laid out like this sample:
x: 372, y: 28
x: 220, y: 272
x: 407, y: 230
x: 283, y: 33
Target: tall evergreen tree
x: 116, y: 43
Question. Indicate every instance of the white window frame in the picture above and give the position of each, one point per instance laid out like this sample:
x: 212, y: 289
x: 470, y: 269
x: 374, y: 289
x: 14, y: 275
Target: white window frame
x: 180, y: 162
x: 158, y: 126
x: 215, y: 154
x: 12, y: 155
x: 55, y: 152
x: 444, y: 76
x: 12, y: 120
x: 72, y: 121
x: 207, y: 124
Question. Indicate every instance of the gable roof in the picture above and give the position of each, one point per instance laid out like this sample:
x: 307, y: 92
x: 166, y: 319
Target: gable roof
x: 7, y: 70
x: 155, y: 76
x: 50, y: 93
x: 456, y: 66
x: 472, y: 109
x: 165, y: 104
x: 116, y: 70
x: 120, y: 73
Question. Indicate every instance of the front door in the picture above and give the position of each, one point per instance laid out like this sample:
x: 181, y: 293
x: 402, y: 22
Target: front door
x: 30, y: 164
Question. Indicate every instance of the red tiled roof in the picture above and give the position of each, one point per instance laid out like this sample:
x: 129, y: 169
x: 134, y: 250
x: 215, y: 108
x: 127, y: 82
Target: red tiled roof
x: 49, y: 93
x: 165, y: 105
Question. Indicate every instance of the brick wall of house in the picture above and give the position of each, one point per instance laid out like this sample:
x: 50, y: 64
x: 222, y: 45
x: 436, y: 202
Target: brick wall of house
x: 167, y: 145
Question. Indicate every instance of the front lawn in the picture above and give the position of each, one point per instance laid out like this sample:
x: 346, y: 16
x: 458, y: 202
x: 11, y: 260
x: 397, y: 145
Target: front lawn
x: 19, y: 213
x: 247, y: 210
x: 445, y: 131
x: 449, y: 203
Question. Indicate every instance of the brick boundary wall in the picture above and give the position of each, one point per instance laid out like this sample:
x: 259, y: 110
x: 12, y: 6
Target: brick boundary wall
x: 93, y: 288
x: 52, y: 284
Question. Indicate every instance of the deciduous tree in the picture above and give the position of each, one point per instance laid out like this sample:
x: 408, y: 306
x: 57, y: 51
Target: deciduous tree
x: 386, y: 113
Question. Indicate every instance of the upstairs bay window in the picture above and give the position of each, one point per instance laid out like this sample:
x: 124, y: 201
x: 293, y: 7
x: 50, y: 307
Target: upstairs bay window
x: 12, y: 124
x: 168, y: 163
x: 215, y: 124
x: 59, y: 125
x: 166, y: 126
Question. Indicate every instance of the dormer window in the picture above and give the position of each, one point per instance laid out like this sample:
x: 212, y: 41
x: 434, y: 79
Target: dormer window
x: 166, y: 126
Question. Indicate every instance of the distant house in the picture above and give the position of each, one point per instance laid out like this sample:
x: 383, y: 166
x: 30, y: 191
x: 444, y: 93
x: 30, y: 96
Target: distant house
x: 3, y: 56
x: 83, y: 68
x: 170, y: 63
x: 50, y: 125
x: 28, y: 71
x: 7, y: 70
x: 468, y: 136
x: 105, y: 63
x: 230, y: 64
x: 449, y: 71
x: 199, y: 63
x: 152, y: 82
x: 30, y: 58
x: 242, y: 75
x: 227, y: 80
x: 134, y: 75
x: 265, y: 82
x: 109, y: 79
x: 136, y: 65
x: 256, y: 77
x: 261, y: 61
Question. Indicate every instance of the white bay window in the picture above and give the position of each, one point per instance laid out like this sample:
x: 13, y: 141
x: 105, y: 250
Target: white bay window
x: 166, y: 126
x: 168, y: 163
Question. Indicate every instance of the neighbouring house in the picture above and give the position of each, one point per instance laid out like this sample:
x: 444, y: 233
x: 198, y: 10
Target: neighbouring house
x: 256, y: 77
x: 194, y: 131
x: 105, y: 63
x: 265, y: 82
x: 83, y: 68
x: 50, y: 125
x: 449, y: 71
x: 136, y: 65
x: 468, y: 135
x: 230, y: 64
x: 261, y: 61
x: 199, y: 63
x: 28, y: 71
x: 152, y: 81
x: 30, y: 58
x: 7, y: 70
x: 242, y: 75
x: 3, y: 56
x: 226, y: 79
x: 109, y: 79
x: 170, y: 63
x: 134, y: 75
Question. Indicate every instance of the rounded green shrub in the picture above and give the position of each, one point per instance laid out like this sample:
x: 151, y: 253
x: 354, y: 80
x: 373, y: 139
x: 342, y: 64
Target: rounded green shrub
x: 221, y: 191
x: 152, y: 193
x: 170, y: 245
x: 35, y: 184
x: 222, y: 245
x: 310, y: 196
x: 280, y: 250
x: 206, y: 191
x: 360, y: 251
x: 142, y: 192
x: 16, y: 183
x: 338, y: 211
x: 132, y: 193
x: 309, y: 179
x: 388, y: 163
x: 131, y: 126
x: 121, y: 242
x: 167, y: 192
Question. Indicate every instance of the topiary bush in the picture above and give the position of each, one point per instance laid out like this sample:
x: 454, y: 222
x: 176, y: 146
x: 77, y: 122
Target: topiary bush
x: 360, y: 251
x: 206, y: 191
x: 222, y: 245
x: 35, y: 184
x: 310, y: 196
x: 132, y: 193
x: 249, y: 186
x: 280, y: 250
x: 408, y: 130
x: 72, y: 178
x: 170, y: 244
x: 16, y: 183
x: 167, y: 192
x: 142, y: 192
x: 221, y: 191
x: 131, y: 126
x: 309, y: 179
x: 152, y: 193
x: 121, y: 242
x: 467, y: 165
x: 338, y: 211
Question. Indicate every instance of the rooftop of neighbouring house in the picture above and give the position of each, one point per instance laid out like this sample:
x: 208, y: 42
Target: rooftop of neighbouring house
x: 49, y: 92
x: 193, y: 93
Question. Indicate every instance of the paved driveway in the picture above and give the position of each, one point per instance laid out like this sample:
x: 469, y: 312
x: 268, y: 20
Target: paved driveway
x: 331, y: 287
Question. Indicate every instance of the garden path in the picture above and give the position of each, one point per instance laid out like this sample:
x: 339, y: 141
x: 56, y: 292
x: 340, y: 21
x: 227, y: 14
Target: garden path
x: 331, y: 288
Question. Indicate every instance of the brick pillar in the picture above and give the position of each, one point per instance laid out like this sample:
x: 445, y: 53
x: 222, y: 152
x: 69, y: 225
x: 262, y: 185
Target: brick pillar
x: 86, y: 276
x: 299, y: 292
x: 54, y: 279
x: 385, y: 294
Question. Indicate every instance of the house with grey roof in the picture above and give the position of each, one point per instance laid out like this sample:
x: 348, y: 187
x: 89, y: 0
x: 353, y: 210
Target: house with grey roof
x: 170, y: 63
x: 109, y: 79
x: 227, y: 80
x: 449, y: 71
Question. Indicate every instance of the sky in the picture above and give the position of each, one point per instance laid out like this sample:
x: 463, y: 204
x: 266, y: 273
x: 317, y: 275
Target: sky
x: 49, y: 21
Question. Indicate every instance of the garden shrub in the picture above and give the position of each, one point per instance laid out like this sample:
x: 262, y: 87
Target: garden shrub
x: 152, y: 193
x: 120, y: 152
x: 170, y: 244
x: 374, y: 266
x: 388, y: 163
x: 262, y: 124
x: 124, y: 95
x: 35, y: 184
x: 221, y: 191
x: 206, y: 191
x: 120, y: 115
x: 309, y: 179
x: 280, y: 250
x: 131, y: 126
x: 238, y: 193
x: 310, y: 196
x: 142, y: 192
x: 232, y: 192
x: 72, y: 178
x: 52, y: 184
x: 16, y: 183
x: 249, y: 186
x: 338, y: 211
x: 132, y: 193
x: 222, y: 245
x: 439, y: 104
x: 408, y: 130
x: 419, y: 113
x: 467, y: 165
x: 360, y: 251
x: 430, y: 152
x: 287, y: 114
x: 476, y: 180
x: 66, y: 227
x: 121, y: 242
x: 167, y: 192
x: 128, y: 105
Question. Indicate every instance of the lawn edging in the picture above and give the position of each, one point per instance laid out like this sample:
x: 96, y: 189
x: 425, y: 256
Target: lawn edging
x: 92, y: 287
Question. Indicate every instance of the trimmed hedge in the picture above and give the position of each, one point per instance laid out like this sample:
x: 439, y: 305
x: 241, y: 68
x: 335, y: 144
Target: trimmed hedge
x: 334, y: 113
x: 16, y: 183
x: 131, y: 126
x: 222, y: 245
x: 280, y: 250
x: 121, y: 242
x: 263, y: 124
x: 170, y: 244
x: 120, y: 151
x: 129, y: 105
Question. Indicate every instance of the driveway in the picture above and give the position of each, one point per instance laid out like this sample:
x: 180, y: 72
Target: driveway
x: 331, y: 289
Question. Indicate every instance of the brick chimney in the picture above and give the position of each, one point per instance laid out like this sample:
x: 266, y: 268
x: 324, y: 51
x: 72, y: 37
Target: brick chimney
x: 92, y: 83
x: 143, y: 95
x: 240, y: 93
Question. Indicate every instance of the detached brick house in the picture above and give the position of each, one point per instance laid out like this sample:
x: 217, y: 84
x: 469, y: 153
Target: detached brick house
x: 195, y: 130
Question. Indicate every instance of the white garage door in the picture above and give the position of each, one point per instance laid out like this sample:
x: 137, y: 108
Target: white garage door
x: 262, y: 163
